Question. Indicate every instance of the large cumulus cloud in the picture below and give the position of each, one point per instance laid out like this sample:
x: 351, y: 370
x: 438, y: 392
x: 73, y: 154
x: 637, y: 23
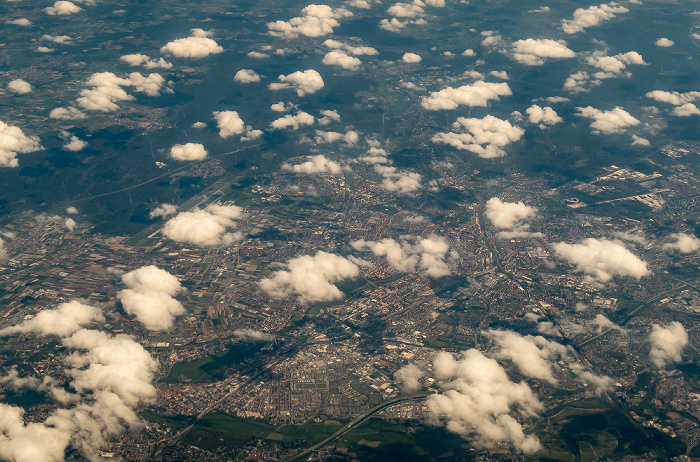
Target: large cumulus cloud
x: 485, y: 137
x: 667, y: 343
x: 602, y: 259
x: 477, y: 94
x: 304, y: 82
x: 196, y: 46
x: 208, y: 227
x: 13, y: 141
x: 149, y: 296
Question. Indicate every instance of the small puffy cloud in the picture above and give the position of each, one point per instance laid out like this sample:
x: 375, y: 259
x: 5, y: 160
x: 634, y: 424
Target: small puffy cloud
x: 43, y: 49
x: 69, y: 113
x: 468, y: 52
x: 252, y: 335
x: 544, y: 116
x: 427, y: 255
x: 613, y: 121
x: 592, y: 16
x: 163, y: 210
x: 576, y: 82
x: 106, y: 89
x: 143, y: 60
x: 602, y: 259
x: 391, y: 25
x: 293, y: 121
x: 70, y: 224
x: 479, y: 400
x: 485, y: 137
x: 411, y: 58
x: 20, y: 22
x: 257, y: 55
x: 72, y: 142
x: 316, y: 164
x: 686, y: 110
x: 199, y: 125
x: 304, y: 82
x: 149, y: 296
x: 508, y: 216
x: 355, y: 50
x: 328, y: 116
x: 246, y: 76
x: 684, y: 243
x: 311, y: 278
x: 207, y: 227
x: 664, y: 42
x: 188, y: 151
x: 350, y: 137
x: 317, y: 20
x: 71, y: 210
x: 375, y: 156
x: 281, y: 107
x: 409, y: 377
x: 477, y: 94
x: 19, y: 86
x: 230, y: 123
x: 667, y: 343
x: 66, y: 319
x: 60, y: 39
x: 62, y: 7
x: 673, y: 97
x: 533, y: 52
x: 398, y: 181
x: 406, y: 10
x: 639, y: 141
x: 341, y: 59
x: 196, y: 46
x: 3, y: 250
x: 13, y: 141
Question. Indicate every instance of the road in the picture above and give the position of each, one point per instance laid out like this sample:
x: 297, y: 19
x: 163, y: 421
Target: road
x: 355, y: 422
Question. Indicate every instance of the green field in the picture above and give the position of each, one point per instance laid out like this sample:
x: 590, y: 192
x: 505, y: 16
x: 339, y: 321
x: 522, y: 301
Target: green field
x: 212, y: 368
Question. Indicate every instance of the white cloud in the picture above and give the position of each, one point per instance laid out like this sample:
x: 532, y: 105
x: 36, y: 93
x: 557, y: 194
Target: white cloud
x: 602, y: 259
x: 71, y: 210
x: 393, y: 25
x: 667, y: 343
x: 317, y: 20
x: 543, y: 115
x: 533, y: 52
x: 592, y: 16
x: 409, y: 377
x: 613, y: 121
x: 188, y: 151
x: 664, y: 42
x: 3, y: 250
x: 399, y: 181
x: 639, y: 141
x: 375, y: 156
x: 686, y: 110
x: 19, y: 86
x: 468, y: 52
x: 199, y: 125
x: 60, y: 39
x: 316, y: 164
x: 196, y: 46
x: 673, y: 97
x: 357, y: 51
x: 328, y: 117
x: 246, y: 76
x: 304, y: 82
x: 163, y: 210
x: 205, y: 227
x: 13, y: 141
x: 477, y: 94
x: 508, y: 216
x: 293, y: 121
x: 230, y: 123
x: 72, y: 142
x: 252, y: 335
x: 341, y: 59
x: 43, y: 49
x: 149, y: 296
x: 479, y: 400
x: 107, y: 89
x: 64, y: 320
x: 411, y: 58
x: 257, y: 55
x: 406, y: 10
x: 350, y: 137
x: 557, y: 99
x: 485, y: 137
x: 20, y: 22
x: 70, y: 224
x: 685, y: 243
x: 143, y: 60
x: 69, y: 113
x: 62, y: 7
x: 412, y: 254
x: 311, y: 278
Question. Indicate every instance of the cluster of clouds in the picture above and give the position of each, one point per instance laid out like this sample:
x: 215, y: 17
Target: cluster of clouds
x: 429, y: 255
x: 230, y: 123
x: 592, y: 16
x: 198, y: 45
x: 316, y: 21
x: 508, y: 217
x: 394, y: 179
x: 311, y: 278
x: 485, y: 137
x: 316, y: 164
x: 62, y: 8
x: 149, y: 297
x: 208, y: 227
x: 350, y: 137
x: 303, y: 82
x: 13, y: 141
x: 613, y: 121
x: 682, y: 102
x: 139, y: 59
x: 544, y: 116
x: 407, y: 13
x: 602, y: 259
x: 43, y: 218
x: 106, y: 90
x: 107, y: 378
x: 609, y: 67
x: 477, y: 94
